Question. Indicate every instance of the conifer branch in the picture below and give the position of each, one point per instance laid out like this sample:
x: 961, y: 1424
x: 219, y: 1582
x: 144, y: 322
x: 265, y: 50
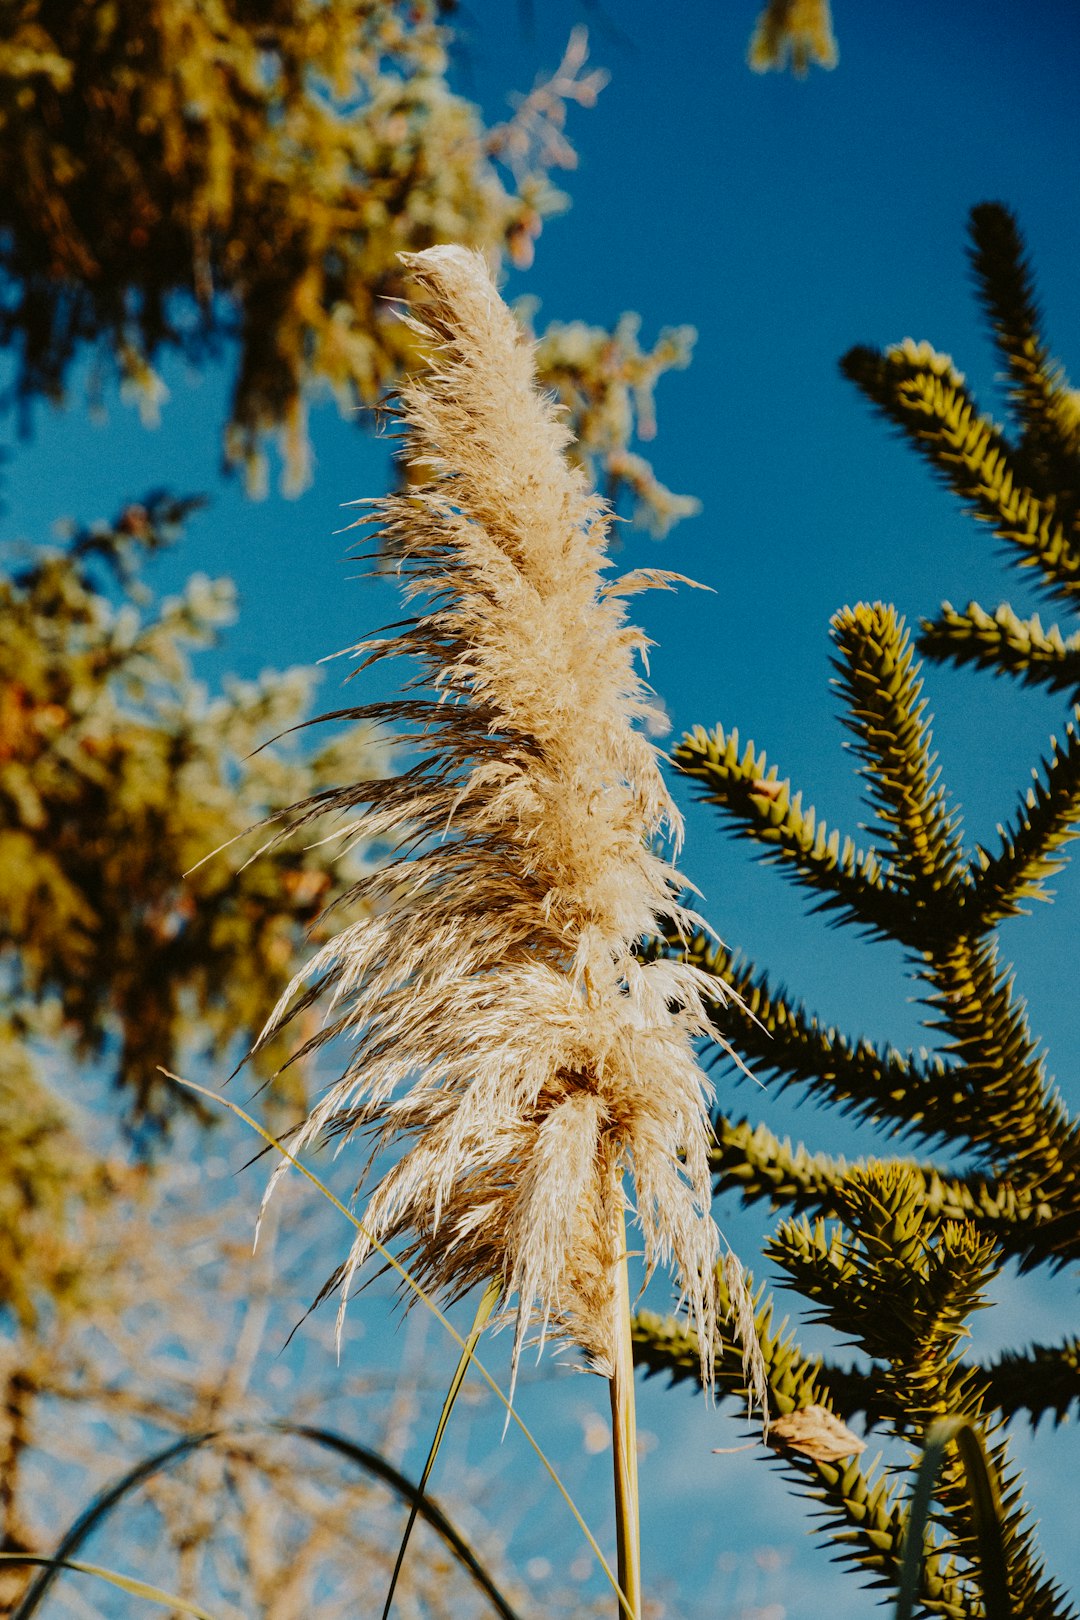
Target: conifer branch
x: 988, y: 1091
x: 908, y: 1248
x: 854, y: 885
x: 925, y: 397
x: 1044, y: 407
x: 779, y: 1037
x: 859, y: 1512
x: 897, y: 1281
x: 752, y: 1161
x: 1004, y: 644
x: 1040, y: 1382
x: 756, y: 1164
x: 1000, y: 1101
x: 901, y: 1284
x: 886, y: 713
x: 1032, y: 846
x: 668, y: 1344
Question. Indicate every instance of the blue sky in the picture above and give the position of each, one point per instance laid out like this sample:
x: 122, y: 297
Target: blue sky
x: 786, y: 221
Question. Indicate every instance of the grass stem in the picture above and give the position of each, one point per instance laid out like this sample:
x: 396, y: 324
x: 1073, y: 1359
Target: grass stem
x: 624, y: 1437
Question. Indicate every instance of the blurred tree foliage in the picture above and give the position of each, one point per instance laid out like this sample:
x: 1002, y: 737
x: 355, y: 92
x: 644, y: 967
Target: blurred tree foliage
x: 793, y: 33
x: 175, y: 174
x: 896, y: 1254
x: 118, y: 776
x: 179, y: 176
x: 45, y: 1173
x: 166, y: 1330
x: 607, y: 381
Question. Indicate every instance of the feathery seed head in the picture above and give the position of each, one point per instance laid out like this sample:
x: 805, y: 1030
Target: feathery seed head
x: 510, y: 1042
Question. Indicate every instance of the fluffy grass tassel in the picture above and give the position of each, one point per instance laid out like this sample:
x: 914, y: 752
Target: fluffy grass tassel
x: 510, y: 1045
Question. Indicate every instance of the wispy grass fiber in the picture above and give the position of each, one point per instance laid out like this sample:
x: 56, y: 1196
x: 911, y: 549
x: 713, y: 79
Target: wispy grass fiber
x: 510, y: 1044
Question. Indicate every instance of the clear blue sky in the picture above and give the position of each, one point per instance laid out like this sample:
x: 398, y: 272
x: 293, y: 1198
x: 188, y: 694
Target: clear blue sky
x: 785, y: 221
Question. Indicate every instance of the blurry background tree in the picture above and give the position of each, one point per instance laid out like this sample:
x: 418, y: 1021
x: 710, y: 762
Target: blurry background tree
x: 916, y: 1243
x: 144, y: 1344
x: 178, y: 177
x: 793, y: 33
x: 117, y: 775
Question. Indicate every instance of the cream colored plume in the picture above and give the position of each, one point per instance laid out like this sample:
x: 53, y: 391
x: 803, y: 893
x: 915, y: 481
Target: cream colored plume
x: 511, y: 1047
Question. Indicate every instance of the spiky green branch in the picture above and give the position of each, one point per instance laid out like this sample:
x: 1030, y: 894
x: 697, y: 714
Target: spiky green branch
x: 901, y: 1283
x: 1004, y: 644
x: 855, y: 885
x: 1043, y: 406
x: 1043, y: 1381
x: 906, y: 1266
x: 1003, y: 1103
x: 778, y: 1037
x: 1032, y: 846
x: 857, y: 1510
x: 886, y: 715
x: 922, y: 394
x: 753, y: 1162
x: 994, y: 1096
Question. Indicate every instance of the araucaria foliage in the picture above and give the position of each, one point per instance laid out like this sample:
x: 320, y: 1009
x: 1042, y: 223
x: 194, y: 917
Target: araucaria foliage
x: 510, y: 1042
x: 895, y: 1254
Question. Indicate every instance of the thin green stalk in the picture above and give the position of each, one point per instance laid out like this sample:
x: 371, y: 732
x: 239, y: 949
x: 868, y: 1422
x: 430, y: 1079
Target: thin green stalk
x: 986, y: 1515
x: 624, y: 1435
x: 126, y: 1583
x: 483, y: 1311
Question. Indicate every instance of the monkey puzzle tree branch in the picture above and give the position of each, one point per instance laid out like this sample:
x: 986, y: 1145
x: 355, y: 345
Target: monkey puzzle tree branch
x: 922, y: 394
x: 1041, y: 1382
x: 753, y: 1162
x: 1044, y: 407
x: 1032, y: 846
x: 1004, y: 644
x: 854, y: 885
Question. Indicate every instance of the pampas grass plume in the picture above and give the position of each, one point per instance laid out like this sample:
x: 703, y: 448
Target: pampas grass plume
x: 521, y: 1059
